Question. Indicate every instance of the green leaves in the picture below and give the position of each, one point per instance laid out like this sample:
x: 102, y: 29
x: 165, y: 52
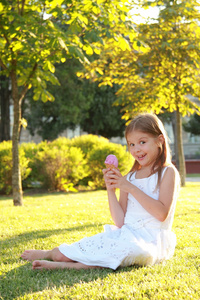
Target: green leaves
x: 49, y: 66
x: 62, y: 43
x: 44, y: 33
x: 160, y: 65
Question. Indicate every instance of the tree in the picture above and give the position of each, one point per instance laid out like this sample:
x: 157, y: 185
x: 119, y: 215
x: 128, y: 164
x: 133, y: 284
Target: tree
x: 160, y: 75
x: 49, y: 119
x: 5, y: 109
x: 173, y: 62
x: 78, y: 102
x: 103, y: 118
x: 31, y: 43
x: 193, y: 125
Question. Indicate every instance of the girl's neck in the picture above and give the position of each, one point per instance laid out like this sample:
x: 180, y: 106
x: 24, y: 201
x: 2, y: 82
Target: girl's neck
x: 143, y: 173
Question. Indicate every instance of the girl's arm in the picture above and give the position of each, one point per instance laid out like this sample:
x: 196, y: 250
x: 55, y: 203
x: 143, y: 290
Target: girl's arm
x: 157, y: 208
x: 117, y: 208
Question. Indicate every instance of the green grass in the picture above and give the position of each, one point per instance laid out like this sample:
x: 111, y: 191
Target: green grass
x: 47, y: 220
x: 193, y: 175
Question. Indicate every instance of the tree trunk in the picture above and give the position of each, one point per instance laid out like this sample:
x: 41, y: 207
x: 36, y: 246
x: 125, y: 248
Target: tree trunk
x: 181, y: 158
x: 5, y: 109
x: 174, y: 127
x: 16, y: 174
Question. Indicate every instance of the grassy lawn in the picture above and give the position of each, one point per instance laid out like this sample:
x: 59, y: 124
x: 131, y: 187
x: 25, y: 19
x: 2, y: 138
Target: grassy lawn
x: 193, y: 175
x: 47, y: 220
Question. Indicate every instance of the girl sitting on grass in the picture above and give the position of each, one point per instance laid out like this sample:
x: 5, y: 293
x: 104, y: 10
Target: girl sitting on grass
x: 143, y: 215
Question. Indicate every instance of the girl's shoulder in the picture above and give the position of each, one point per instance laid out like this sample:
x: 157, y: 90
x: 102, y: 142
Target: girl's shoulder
x: 171, y: 171
x: 171, y: 168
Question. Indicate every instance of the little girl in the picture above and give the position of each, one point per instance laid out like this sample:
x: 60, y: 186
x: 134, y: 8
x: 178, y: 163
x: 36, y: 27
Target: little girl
x: 143, y: 215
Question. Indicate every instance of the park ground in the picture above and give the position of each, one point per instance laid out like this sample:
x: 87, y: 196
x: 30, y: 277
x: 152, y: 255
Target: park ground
x: 47, y: 220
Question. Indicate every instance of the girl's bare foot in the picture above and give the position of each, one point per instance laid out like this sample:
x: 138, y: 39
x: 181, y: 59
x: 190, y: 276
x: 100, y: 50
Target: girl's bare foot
x: 48, y: 265
x: 51, y: 265
x: 34, y: 254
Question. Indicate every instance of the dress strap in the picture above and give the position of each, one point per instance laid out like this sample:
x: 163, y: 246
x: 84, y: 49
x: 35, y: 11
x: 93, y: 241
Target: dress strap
x: 163, y: 172
x: 129, y: 175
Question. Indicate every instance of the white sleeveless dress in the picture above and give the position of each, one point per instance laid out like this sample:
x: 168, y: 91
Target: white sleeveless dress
x: 142, y: 240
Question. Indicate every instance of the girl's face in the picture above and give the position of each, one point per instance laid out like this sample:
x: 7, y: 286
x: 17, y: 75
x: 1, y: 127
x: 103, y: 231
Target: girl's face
x: 144, y: 147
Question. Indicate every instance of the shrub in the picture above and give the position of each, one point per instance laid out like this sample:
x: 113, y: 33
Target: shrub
x: 61, y: 143
x: 97, y: 157
x: 60, y: 168
x: 6, y: 166
x: 88, y: 142
x: 30, y: 150
x: 63, y: 163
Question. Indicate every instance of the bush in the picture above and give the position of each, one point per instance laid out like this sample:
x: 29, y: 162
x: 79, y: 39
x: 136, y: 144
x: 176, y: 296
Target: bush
x: 97, y: 157
x: 88, y: 142
x: 61, y: 143
x: 6, y: 166
x: 30, y: 150
x: 63, y: 163
x: 60, y: 168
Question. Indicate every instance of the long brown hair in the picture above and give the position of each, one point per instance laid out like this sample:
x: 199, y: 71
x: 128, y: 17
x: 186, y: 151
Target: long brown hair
x: 151, y: 124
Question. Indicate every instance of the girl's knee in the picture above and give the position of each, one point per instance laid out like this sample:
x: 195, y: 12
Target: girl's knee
x: 58, y: 256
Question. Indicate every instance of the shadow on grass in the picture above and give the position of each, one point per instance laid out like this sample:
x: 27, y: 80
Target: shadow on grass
x: 4, y: 198
x: 23, y: 281
x: 26, y: 237
x: 36, y: 193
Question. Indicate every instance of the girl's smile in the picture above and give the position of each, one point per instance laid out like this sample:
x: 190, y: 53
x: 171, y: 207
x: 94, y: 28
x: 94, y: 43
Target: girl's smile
x: 144, y: 147
x: 141, y: 157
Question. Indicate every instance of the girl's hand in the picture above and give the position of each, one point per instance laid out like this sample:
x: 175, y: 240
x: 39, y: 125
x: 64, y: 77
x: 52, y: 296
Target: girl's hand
x: 113, y: 178
x: 108, y: 174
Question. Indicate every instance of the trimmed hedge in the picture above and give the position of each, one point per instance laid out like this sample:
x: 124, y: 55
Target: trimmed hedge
x: 62, y: 164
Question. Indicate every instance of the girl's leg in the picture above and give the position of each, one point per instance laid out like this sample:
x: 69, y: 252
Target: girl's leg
x: 51, y: 265
x: 58, y: 260
x: 53, y: 254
